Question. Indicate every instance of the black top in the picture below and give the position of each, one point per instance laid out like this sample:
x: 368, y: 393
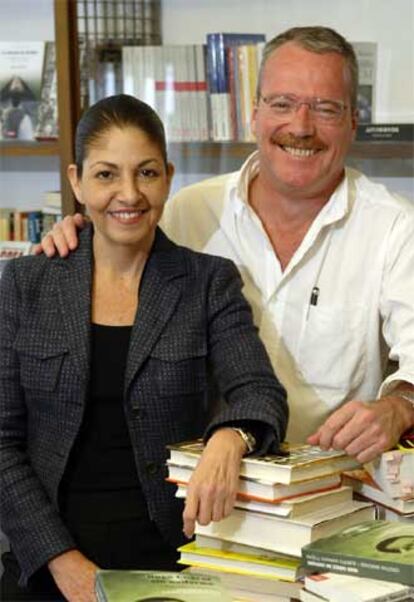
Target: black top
x: 101, y: 472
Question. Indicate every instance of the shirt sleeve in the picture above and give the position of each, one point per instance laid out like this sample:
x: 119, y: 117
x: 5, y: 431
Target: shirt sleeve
x: 397, y: 302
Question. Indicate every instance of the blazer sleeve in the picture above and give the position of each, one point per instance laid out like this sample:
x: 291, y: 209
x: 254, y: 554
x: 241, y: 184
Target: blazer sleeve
x: 28, y: 517
x: 240, y: 364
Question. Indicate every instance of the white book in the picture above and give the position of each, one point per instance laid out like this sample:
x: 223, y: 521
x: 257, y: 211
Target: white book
x: 262, y: 490
x: 293, y: 507
x: 296, y: 463
x: 362, y: 483
x: 286, y: 536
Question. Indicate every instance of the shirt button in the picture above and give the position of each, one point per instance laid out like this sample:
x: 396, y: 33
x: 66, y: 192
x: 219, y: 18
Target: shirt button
x: 138, y: 412
x: 152, y: 468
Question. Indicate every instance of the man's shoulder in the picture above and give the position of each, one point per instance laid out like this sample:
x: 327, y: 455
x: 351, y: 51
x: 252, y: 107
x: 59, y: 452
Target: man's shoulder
x: 210, y: 189
x: 375, y: 195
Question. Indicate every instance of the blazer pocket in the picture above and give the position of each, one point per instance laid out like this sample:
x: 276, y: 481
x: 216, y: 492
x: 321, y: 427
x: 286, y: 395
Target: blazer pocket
x: 179, y: 364
x: 40, y: 363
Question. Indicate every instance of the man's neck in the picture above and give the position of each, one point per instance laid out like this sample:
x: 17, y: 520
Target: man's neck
x: 286, y: 218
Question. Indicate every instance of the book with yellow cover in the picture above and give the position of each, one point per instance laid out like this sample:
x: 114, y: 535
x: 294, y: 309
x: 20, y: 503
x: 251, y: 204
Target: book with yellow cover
x: 260, y: 564
x: 295, y: 462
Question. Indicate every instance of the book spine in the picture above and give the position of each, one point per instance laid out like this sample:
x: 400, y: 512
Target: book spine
x: 34, y: 224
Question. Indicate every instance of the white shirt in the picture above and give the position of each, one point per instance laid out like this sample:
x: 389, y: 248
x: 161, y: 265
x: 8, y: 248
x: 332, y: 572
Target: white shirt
x: 358, y: 252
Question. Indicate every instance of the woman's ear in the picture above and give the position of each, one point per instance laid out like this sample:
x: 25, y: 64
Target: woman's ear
x: 170, y: 173
x: 74, y: 180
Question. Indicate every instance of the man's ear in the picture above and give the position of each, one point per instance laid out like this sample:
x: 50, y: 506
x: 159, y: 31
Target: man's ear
x: 74, y: 180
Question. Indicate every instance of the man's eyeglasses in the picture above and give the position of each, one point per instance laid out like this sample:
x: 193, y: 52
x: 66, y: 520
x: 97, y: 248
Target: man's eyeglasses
x: 323, y: 110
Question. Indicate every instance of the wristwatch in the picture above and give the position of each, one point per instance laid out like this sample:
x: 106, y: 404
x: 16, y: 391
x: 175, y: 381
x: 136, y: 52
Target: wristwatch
x: 407, y: 394
x: 247, y: 437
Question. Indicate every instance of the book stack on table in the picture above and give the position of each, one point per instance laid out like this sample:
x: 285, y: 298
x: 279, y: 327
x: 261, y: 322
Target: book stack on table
x: 284, y: 502
x: 372, y: 561
x: 388, y: 482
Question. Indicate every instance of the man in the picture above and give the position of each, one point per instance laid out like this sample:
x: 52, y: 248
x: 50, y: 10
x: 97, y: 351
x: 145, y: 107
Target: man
x: 327, y: 256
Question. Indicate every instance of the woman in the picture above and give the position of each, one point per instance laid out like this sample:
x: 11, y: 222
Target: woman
x: 105, y: 359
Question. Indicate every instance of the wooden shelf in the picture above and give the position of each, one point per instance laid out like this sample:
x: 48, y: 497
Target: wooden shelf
x: 16, y: 148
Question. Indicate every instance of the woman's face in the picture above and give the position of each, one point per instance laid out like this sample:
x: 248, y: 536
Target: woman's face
x: 124, y: 186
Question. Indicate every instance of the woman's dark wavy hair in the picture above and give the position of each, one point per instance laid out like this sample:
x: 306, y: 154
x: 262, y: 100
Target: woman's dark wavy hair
x: 119, y: 111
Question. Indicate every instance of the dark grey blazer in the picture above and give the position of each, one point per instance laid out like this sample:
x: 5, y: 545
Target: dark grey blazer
x: 192, y: 321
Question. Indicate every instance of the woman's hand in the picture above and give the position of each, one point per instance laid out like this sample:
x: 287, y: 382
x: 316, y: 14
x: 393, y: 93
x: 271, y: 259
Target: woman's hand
x: 74, y: 575
x: 213, y: 486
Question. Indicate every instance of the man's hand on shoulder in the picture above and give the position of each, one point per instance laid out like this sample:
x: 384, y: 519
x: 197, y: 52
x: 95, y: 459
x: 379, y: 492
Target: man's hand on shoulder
x: 63, y: 237
x: 365, y: 429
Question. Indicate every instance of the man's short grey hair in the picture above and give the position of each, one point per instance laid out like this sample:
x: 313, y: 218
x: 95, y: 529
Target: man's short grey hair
x: 319, y: 40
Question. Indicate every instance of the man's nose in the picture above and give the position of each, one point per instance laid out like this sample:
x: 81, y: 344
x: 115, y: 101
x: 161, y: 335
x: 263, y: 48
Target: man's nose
x: 302, y: 121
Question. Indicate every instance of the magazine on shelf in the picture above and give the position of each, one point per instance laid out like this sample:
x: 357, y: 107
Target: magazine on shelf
x: 21, y: 66
x: 366, y: 54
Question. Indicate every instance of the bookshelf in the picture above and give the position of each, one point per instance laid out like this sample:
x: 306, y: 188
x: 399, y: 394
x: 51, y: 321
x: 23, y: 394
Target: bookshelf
x: 390, y: 158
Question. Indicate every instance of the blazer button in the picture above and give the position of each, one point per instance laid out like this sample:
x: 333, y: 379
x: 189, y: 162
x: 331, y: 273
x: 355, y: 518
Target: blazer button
x: 138, y: 412
x: 152, y: 468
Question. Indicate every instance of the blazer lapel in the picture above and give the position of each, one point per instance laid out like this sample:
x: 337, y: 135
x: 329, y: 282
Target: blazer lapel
x: 75, y: 284
x: 160, y: 291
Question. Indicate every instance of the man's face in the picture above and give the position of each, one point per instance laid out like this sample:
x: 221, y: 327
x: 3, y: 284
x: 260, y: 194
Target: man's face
x: 301, y: 155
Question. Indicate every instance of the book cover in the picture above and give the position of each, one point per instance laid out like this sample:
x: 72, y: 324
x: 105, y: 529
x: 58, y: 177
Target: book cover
x: 375, y: 549
x: 21, y: 65
x: 158, y: 586
x: 47, y: 113
x: 383, y: 132
x: 295, y: 462
x: 366, y: 54
x: 259, y: 564
x: 285, y: 536
x: 343, y: 588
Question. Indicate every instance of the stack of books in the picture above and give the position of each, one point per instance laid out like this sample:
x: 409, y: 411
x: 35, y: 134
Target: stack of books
x: 389, y: 482
x: 284, y: 502
x: 370, y: 561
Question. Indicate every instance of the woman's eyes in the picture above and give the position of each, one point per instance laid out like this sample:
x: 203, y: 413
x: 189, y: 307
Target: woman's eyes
x: 146, y: 173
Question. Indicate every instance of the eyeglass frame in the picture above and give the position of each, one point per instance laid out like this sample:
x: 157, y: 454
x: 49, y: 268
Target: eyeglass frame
x: 310, y: 102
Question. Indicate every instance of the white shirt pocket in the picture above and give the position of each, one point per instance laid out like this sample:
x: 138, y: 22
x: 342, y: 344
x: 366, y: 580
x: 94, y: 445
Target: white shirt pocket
x: 331, y: 351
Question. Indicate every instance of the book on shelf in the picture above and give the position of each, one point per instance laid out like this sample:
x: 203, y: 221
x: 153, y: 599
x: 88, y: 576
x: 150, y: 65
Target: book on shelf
x: 135, y: 586
x: 21, y: 65
x: 248, y: 587
x: 295, y: 462
x: 258, y: 563
x: 362, y: 483
x: 261, y: 490
x: 47, y: 112
x: 292, y: 508
x: 375, y: 549
x: 383, y: 132
x: 11, y: 250
x: 285, y: 536
x: 218, y: 71
x: 366, y: 54
x: 335, y: 587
